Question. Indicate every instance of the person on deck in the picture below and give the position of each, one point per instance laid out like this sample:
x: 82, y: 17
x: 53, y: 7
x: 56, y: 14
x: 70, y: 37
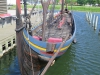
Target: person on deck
x: 68, y: 16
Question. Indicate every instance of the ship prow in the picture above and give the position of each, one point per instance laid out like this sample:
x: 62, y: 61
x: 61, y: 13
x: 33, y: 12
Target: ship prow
x: 39, y: 45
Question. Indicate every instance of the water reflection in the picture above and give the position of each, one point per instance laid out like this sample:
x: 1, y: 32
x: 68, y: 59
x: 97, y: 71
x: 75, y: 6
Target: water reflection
x: 6, y: 61
x: 81, y: 58
x: 64, y: 64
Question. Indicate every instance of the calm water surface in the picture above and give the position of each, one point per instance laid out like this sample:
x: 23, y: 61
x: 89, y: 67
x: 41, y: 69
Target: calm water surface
x: 82, y: 58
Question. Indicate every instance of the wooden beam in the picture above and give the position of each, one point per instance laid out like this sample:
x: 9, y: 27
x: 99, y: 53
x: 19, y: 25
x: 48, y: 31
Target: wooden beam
x: 54, y: 56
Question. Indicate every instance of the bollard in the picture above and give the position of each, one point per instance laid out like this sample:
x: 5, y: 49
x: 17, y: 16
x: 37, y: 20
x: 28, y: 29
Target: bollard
x: 90, y: 17
x: 93, y: 20
x: 87, y: 16
x: 96, y: 23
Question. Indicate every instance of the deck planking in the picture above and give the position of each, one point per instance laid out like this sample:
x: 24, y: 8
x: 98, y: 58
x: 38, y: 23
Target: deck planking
x: 54, y: 31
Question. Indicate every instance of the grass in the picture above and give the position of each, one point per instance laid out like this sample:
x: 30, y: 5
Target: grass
x: 85, y: 8
x: 76, y: 8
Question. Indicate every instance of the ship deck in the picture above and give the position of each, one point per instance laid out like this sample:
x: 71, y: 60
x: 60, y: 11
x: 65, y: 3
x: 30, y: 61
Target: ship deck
x: 54, y: 31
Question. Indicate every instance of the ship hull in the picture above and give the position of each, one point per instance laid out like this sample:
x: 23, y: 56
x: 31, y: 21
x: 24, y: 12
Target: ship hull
x: 33, y: 49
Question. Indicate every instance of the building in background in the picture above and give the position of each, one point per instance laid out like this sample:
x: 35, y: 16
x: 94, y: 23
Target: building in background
x: 3, y: 6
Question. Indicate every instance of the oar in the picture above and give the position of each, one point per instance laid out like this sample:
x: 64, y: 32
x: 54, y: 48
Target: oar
x: 45, y: 5
x: 54, y: 56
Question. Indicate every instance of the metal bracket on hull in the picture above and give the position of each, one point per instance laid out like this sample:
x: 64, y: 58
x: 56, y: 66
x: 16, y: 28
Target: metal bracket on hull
x: 50, y: 47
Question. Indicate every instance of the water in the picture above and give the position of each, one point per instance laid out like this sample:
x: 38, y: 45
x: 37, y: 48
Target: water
x: 9, y: 64
x: 82, y: 58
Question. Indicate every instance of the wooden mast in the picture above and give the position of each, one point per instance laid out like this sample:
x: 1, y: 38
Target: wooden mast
x: 54, y: 56
x: 45, y: 5
x: 62, y: 5
x: 19, y: 34
x: 62, y: 8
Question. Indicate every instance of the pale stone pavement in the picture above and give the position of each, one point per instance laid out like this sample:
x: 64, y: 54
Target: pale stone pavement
x: 9, y: 29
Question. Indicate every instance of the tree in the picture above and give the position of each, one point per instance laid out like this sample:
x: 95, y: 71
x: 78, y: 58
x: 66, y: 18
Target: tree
x: 70, y: 1
x: 82, y: 2
x: 91, y: 2
x: 57, y: 1
x: 98, y: 2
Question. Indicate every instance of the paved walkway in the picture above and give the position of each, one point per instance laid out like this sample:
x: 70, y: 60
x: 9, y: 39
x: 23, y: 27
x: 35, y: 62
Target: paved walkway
x: 13, y: 12
x: 9, y: 29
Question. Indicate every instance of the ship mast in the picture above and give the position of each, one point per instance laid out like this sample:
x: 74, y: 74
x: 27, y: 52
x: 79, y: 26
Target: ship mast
x: 62, y: 8
x: 19, y: 27
x: 25, y: 8
x: 45, y: 5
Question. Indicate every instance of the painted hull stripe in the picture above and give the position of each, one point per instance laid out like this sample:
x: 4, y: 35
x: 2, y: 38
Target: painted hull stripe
x: 41, y: 48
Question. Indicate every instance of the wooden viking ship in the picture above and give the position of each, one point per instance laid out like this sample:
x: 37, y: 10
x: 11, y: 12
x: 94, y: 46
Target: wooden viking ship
x: 38, y: 47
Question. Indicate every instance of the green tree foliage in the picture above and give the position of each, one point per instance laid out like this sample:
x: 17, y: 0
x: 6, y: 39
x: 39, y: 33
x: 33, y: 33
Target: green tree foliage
x: 82, y: 2
x: 70, y: 1
x: 93, y: 2
x: 67, y: 1
x: 57, y: 1
x: 98, y: 2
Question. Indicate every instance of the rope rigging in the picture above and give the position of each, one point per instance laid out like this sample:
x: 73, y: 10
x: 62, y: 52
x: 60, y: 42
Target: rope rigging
x: 28, y: 22
x: 27, y: 17
x: 52, y: 25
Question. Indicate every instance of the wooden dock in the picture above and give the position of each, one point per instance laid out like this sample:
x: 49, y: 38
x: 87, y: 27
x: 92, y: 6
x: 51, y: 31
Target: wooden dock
x: 7, y: 37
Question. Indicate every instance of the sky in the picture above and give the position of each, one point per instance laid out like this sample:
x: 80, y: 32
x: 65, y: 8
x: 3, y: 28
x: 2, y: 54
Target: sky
x: 10, y: 2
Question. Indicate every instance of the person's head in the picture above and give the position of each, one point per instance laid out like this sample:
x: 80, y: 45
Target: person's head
x: 66, y: 10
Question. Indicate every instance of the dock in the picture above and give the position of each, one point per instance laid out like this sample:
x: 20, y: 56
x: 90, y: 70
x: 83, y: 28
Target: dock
x: 7, y: 37
x: 8, y: 34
